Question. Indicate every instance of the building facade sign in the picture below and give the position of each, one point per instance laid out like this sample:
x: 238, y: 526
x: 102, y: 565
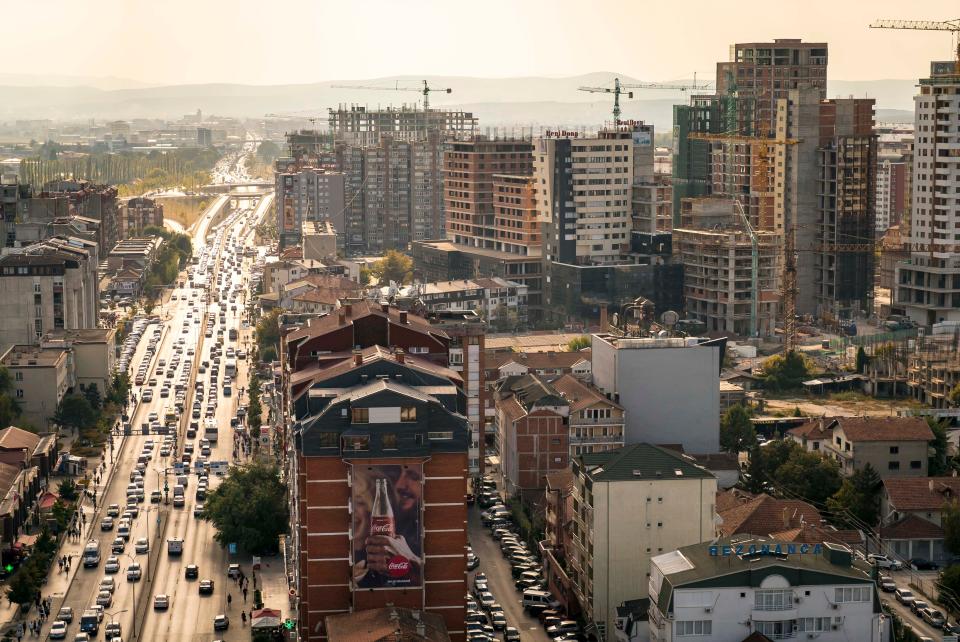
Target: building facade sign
x: 765, y: 549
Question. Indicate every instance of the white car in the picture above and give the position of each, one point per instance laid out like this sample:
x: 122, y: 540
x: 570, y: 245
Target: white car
x: 58, y: 630
x: 142, y: 545
x: 882, y: 561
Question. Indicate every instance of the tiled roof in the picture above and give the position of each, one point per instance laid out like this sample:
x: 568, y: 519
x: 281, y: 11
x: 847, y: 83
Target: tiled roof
x: 814, y: 534
x: 330, y: 322
x: 764, y: 515
x: 14, y: 438
x: 911, y: 527
x: 639, y: 462
x: 813, y: 430
x: 578, y: 395
x: 560, y: 479
x: 374, y: 625
x: 921, y: 493
x: 884, y: 428
x: 536, y: 360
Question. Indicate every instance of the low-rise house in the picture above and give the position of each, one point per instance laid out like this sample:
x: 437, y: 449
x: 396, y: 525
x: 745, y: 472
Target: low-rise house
x: 911, y: 515
x: 730, y: 395
x: 94, y: 354
x: 741, y: 513
x: 893, y: 446
x: 19, y: 488
x: 25, y: 449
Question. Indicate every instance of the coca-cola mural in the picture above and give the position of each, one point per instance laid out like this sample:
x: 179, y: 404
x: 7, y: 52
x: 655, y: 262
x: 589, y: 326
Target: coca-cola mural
x: 387, y: 526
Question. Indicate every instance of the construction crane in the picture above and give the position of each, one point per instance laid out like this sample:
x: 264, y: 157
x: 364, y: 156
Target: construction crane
x: 620, y: 88
x: 953, y: 26
x: 754, y: 265
x: 426, y: 90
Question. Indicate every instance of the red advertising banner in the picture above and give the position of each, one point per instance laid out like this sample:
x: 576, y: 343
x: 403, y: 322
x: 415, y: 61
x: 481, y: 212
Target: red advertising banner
x: 387, y: 526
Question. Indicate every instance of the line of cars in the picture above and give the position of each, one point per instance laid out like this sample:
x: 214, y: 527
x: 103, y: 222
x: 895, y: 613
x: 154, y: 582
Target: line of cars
x: 527, y: 574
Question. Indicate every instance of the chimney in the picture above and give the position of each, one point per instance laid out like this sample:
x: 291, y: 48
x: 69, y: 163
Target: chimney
x: 603, y: 317
x: 403, y: 316
x: 400, y: 355
x: 786, y: 518
x: 342, y: 315
x: 357, y: 358
x: 930, y: 484
x: 385, y: 307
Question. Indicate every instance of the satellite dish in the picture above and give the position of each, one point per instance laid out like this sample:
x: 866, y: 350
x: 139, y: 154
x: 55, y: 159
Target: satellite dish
x: 616, y: 320
x: 669, y: 318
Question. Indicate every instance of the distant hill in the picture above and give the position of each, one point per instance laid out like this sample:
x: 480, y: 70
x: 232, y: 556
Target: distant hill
x: 497, y: 102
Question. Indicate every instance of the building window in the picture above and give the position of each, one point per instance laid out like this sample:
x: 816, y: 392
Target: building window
x: 816, y: 445
x: 354, y: 443
x: 693, y: 627
x: 388, y: 441
x: 773, y: 600
x: 328, y: 439
x: 893, y: 465
x: 408, y: 413
x: 894, y: 450
x: 813, y: 624
x: 18, y: 376
x: 360, y: 415
x: 853, y: 594
x: 19, y: 393
x: 915, y: 465
x: 775, y: 630
x: 444, y: 435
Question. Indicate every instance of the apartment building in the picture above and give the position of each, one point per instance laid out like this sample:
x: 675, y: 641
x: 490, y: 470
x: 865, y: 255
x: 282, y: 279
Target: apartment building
x: 653, y: 205
x: 532, y: 434
x: 928, y: 283
x: 891, y: 191
x: 48, y: 286
x: 98, y: 202
x: 642, y: 375
x: 557, y: 543
x: 631, y: 505
x: 40, y: 379
x: 468, y: 357
x: 716, y: 251
x: 498, y: 301
x: 365, y: 442
x: 307, y: 195
x: 469, y: 170
x: 136, y: 214
x: 746, y: 589
x: 516, y: 228
x: 94, y: 354
x: 596, y: 423
x: 363, y: 127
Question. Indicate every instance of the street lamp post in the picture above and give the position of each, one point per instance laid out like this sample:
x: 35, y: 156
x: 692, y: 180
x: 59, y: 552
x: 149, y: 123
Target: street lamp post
x: 133, y: 592
x: 112, y: 614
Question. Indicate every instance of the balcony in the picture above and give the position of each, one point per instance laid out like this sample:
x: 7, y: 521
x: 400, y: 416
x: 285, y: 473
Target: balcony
x: 599, y: 439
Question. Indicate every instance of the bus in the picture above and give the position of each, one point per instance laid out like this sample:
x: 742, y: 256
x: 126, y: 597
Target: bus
x: 91, y: 554
x: 210, y: 430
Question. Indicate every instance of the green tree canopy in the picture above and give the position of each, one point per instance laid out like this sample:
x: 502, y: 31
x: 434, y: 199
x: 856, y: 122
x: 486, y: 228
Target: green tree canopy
x: 578, y: 343
x: 249, y: 508
x: 394, y: 266
x: 75, y: 413
x: 949, y: 586
x: 858, y: 500
x: 950, y: 522
x: 92, y: 394
x: 67, y: 490
x: 785, y: 371
x: 268, y: 331
x: 939, y: 461
x: 736, y: 430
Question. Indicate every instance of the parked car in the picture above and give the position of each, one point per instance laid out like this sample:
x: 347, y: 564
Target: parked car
x: 922, y: 564
x: 563, y: 628
x: 904, y: 596
x: 511, y: 634
x: 918, y: 605
x: 882, y: 561
x: 933, y: 617
x: 887, y: 585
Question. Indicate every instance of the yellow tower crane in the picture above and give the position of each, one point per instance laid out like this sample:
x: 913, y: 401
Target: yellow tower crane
x: 953, y: 26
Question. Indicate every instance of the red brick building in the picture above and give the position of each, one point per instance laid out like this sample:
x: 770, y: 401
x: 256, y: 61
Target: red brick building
x: 533, y: 434
x: 380, y: 467
x: 557, y: 542
x: 361, y: 325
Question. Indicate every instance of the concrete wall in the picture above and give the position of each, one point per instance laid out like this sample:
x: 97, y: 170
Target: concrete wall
x: 629, y: 530
x: 671, y: 394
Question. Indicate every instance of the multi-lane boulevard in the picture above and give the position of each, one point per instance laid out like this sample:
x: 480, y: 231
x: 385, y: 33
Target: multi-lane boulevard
x: 185, y: 334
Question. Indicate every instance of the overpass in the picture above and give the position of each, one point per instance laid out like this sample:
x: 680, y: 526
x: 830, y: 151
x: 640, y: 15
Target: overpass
x: 241, y: 190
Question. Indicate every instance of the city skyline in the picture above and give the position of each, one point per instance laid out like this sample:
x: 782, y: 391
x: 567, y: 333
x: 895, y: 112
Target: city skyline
x: 185, y: 43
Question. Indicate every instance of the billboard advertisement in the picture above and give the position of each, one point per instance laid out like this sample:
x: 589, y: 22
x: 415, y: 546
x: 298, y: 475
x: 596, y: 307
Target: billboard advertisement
x: 387, y: 526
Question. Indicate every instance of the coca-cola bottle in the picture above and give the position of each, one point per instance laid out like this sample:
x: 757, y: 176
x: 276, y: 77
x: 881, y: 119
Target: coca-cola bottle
x: 381, y: 517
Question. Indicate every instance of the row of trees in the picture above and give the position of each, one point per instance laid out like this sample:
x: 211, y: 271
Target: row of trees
x: 176, y: 251
x: 134, y: 172
x: 249, y: 508
x: 267, y: 335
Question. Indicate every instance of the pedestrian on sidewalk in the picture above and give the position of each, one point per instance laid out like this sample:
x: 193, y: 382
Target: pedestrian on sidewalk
x: 244, y: 593
x: 243, y: 617
x: 229, y: 600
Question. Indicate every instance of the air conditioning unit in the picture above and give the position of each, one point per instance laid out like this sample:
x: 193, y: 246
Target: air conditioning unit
x: 708, y: 609
x: 797, y: 599
x: 834, y: 626
x: 810, y: 636
x: 835, y: 606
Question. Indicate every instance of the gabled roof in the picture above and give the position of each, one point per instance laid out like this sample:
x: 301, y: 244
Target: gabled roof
x: 14, y: 438
x: 8, y: 475
x: 359, y: 310
x: 536, y: 360
x: 911, y: 527
x: 579, y: 395
x: 560, y: 479
x: 883, y: 428
x: 921, y: 493
x: 763, y: 515
x: 375, y: 625
x: 814, y: 430
x: 336, y: 364
x: 814, y: 534
x: 639, y: 462
x: 530, y: 391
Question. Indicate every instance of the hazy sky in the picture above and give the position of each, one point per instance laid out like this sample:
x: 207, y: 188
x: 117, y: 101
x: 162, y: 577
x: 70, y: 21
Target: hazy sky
x: 293, y: 41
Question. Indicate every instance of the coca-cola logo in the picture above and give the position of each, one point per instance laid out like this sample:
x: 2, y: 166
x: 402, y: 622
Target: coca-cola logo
x: 381, y: 526
x: 398, y: 566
